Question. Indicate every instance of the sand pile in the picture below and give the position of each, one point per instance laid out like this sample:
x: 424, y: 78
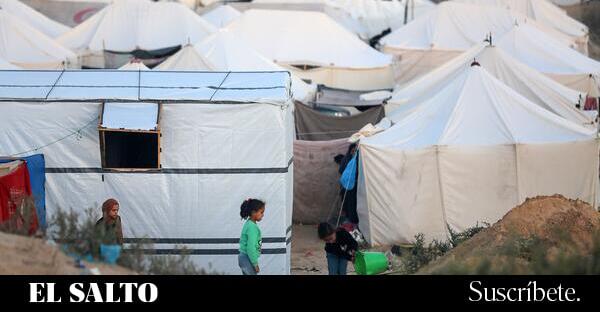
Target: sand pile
x: 22, y: 255
x: 550, y: 222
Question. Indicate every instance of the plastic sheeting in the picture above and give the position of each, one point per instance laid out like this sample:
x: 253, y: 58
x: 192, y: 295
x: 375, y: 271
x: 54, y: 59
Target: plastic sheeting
x: 312, y: 125
x: 223, y: 51
x: 316, y: 186
x: 25, y: 46
x: 331, y: 96
x: 528, y: 82
x: 116, y: 85
x: 131, y: 116
x: 213, y: 157
x: 475, y: 134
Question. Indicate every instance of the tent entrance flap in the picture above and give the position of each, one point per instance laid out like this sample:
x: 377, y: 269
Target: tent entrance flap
x: 130, y: 136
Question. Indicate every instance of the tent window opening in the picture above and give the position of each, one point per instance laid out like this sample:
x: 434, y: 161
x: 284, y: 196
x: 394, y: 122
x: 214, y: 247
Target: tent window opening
x: 130, y: 136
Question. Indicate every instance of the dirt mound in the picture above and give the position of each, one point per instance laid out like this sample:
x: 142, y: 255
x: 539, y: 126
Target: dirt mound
x: 550, y: 222
x: 22, y: 255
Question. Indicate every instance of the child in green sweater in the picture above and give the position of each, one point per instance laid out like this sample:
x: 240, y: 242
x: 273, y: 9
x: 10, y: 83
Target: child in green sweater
x: 252, y: 210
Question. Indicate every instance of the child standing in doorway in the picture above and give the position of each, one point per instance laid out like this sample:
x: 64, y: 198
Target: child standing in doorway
x: 252, y: 210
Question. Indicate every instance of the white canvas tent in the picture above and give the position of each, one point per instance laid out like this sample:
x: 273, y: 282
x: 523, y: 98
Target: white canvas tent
x: 467, y: 155
x: 129, y: 25
x: 547, y: 55
x: 546, y: 13
x: 368, y: 18
x: 134, y: 65
x: 24, y: 46
x: 221, y: 16
x: 34, y: 18
x: 225, y: 137
x: 320, y: 50
x: 6, y: 65
x: 223, y: 51
x: 533, y: 85
x: 443, y: 33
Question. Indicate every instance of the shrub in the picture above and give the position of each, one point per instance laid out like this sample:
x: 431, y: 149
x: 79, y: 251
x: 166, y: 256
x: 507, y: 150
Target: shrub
x: 78, y: 236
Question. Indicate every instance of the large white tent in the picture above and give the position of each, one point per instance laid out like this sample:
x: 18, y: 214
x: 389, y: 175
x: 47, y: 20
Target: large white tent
x: 547, y: 55
x: 223, y: 51
x: 445, y: 32
x: 129, y: 25
x: 26, y: 47
x: 533, y: 85
x: 467, y: 155
x: 546, y: 13
x: 224, y: 137
x: 221, y: 16
x: 313, y: 46
x: 34, y: 18
x: 368, y: 18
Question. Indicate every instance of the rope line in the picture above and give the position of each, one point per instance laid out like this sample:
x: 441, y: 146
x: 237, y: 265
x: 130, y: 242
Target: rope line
x: 76, y: 132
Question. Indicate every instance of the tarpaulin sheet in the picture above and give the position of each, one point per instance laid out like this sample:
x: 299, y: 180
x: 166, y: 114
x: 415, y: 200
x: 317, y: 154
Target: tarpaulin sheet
x: 314, y: 126
x: 37, y: 178
x: 316, y: 187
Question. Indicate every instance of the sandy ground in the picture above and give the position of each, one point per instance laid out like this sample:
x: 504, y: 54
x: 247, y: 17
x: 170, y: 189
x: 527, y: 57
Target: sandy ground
x: 20, y: 255
x: 555, y: 220
x: 308, y: 255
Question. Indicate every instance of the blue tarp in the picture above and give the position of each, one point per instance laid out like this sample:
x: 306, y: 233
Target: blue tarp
x: 37, y: 176
x: 348, y: 178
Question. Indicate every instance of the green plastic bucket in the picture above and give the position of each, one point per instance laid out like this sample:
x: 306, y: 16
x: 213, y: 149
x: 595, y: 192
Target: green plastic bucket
x: 370, y: 263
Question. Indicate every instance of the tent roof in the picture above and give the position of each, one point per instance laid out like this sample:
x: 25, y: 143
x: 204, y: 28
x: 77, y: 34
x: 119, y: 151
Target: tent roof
x: 23, y: 44
x: 224, y: 51
x: 34, y: 18
x: 544, y: 53
x: 134, y: 65
x: 528, y: 82
x: 476, y: 109
x: 221, y: 16
x: 6, y: 65
x: 542, y: 11
x: 457, y: 26
x: 368, y: 18
x: 287, y: 37
x: 151, y: 86
x: 128, y: 25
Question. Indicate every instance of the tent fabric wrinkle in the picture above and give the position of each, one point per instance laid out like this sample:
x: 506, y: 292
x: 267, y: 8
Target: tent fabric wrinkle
x: 312, y: 125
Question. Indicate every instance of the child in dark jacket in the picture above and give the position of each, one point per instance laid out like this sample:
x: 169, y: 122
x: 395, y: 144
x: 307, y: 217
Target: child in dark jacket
x: 340, y: 247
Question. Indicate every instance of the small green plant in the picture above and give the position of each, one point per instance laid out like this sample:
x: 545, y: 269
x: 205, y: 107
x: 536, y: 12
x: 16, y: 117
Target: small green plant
x: 457, y: 238
x: 422, y: 254
x: 79, y: 237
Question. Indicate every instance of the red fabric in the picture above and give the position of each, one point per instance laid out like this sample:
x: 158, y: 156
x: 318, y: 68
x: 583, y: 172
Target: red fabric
x: 14, y: 188
x: 591, y: 103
